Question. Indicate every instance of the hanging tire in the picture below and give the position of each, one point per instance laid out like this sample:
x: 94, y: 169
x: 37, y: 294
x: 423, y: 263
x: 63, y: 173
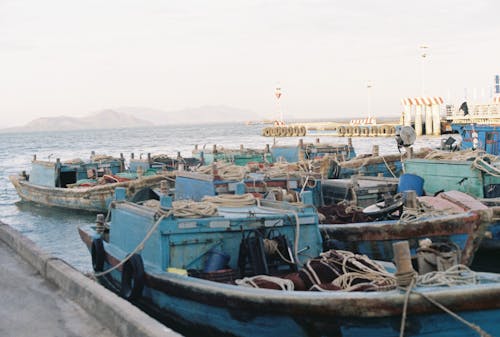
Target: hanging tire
x: 282, y: 131
x: 348, y: 131
x: 341, y: 131
x: 374, y: 131
x: 365, y: 132
x: 384, y: 130
x: 132, y: 278
x: 267, y: 132
x: 356, y: 131
x: 392, y: 130
x: 296, y: 131
x: 274, y: 131
x: 302, y: 131
x: 289, y: 131
x: 98, y: 255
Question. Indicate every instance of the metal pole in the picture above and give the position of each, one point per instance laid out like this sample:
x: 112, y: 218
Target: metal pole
x: 423, y: 56
x: 369, y: 86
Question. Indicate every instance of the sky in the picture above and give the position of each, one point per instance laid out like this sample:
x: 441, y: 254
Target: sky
x: 64, y: 57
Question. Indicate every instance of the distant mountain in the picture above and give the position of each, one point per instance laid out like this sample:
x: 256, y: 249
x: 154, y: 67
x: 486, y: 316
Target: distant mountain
x: 105, y: 119
x: 203, y: 114
x: 127, y: 117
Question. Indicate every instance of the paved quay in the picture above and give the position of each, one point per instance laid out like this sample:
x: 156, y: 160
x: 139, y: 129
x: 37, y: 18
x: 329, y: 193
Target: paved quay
x: 43, y: 296
x: 32, y: 306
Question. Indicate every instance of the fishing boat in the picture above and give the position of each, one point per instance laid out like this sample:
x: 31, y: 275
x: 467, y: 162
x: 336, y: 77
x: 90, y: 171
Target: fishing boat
x: 452, y: 221
x: 241, y: 156
x: 280, y: 181
x: 242, y: 270
x: 470, y: 171
x: 80, y: 185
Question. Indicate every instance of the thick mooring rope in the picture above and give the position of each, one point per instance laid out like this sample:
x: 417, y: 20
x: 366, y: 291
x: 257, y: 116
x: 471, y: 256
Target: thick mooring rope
x: 231, y: 200
x: 455, y: 275
x: 284, y: 284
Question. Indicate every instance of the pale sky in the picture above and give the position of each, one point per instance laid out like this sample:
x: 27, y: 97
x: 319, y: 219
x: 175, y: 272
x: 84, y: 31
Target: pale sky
x: 62, y: 57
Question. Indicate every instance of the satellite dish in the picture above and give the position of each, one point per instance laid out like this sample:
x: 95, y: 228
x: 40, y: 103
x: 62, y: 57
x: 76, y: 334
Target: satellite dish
x: 406, y: 136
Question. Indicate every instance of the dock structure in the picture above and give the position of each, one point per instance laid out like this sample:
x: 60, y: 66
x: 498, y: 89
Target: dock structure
x: 44, y: 296
x: 426, y: 110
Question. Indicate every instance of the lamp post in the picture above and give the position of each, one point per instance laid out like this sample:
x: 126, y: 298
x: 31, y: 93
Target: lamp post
x: 369, y: 86
x: 277, y: 94
x: 423, y: 56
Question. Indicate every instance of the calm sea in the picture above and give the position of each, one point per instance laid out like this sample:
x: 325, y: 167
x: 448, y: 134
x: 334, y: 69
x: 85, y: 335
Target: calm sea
x: 55, y: 230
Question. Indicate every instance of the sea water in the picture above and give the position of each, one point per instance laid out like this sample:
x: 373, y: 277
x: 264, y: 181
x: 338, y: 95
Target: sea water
x: 55, y: 230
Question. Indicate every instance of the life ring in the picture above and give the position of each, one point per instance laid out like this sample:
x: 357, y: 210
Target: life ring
x: 282, y: 131
x: 348, y: 131
x: 289, y: 131
x: 392, y: 130
x: 356, y: 131
x: 296, y: 131
x: 302, y: 131
x: 98, y: 254
x: 384, y: 130
x: 267, y: 132
x: 132, y: 278
x: 374, y: 131
x: 341, y: 131
x: 365, y: 132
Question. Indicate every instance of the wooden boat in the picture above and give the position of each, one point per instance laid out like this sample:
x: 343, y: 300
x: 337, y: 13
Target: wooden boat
x: 241, y: 156
x: 374, y: 164
x: 471, y: 172
x: 183, y: 270
x: 87, y: 186
x: 451, y: 218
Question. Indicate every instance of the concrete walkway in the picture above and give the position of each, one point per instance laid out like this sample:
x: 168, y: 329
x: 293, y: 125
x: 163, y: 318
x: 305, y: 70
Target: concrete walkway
x: 32, y: 306
x: 41, y: 295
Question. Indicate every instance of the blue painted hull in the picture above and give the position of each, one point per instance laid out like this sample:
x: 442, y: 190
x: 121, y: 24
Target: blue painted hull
x: 206, y: 307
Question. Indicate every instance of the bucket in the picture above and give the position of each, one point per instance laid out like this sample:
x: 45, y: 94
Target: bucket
x: 408, y: 182
x: 216, y: 260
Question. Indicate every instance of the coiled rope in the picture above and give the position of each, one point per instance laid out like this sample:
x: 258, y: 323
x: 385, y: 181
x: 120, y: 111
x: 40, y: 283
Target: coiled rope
x: 284, y: 284
x: 231, y: 200
x: 225, y: 171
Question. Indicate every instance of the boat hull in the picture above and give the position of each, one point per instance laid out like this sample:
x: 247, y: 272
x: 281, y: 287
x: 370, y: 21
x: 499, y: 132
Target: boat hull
x: 375, y: 239
x: 92, y: 199
x: 222, y: 309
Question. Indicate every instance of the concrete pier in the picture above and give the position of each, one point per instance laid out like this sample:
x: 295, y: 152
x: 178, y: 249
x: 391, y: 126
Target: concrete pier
x: 41, y: 295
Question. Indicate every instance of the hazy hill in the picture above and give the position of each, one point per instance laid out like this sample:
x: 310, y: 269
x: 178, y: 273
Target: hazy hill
x: 203, y: 114
x: 126, y: 117
x: 105, y: 119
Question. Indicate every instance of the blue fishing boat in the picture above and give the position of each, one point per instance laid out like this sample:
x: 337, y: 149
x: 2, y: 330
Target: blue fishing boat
x: 471, y: 172
x: 80, y: 185
x: 207, y: 272
x: 279, y: 181
x: 241, y: 156
x: 162, y: 163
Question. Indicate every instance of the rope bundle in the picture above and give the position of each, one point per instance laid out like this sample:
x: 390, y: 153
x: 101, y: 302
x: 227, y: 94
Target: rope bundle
x: 350, y: 272
x: 226, y: 171
x: 423, y: 210
x: 257, y: 281
x: 185, y: 209
x: 231, y: 200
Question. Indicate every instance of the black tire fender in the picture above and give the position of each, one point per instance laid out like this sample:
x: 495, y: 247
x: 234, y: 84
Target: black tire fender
x: 98, y: 255
x: 132, y: 283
